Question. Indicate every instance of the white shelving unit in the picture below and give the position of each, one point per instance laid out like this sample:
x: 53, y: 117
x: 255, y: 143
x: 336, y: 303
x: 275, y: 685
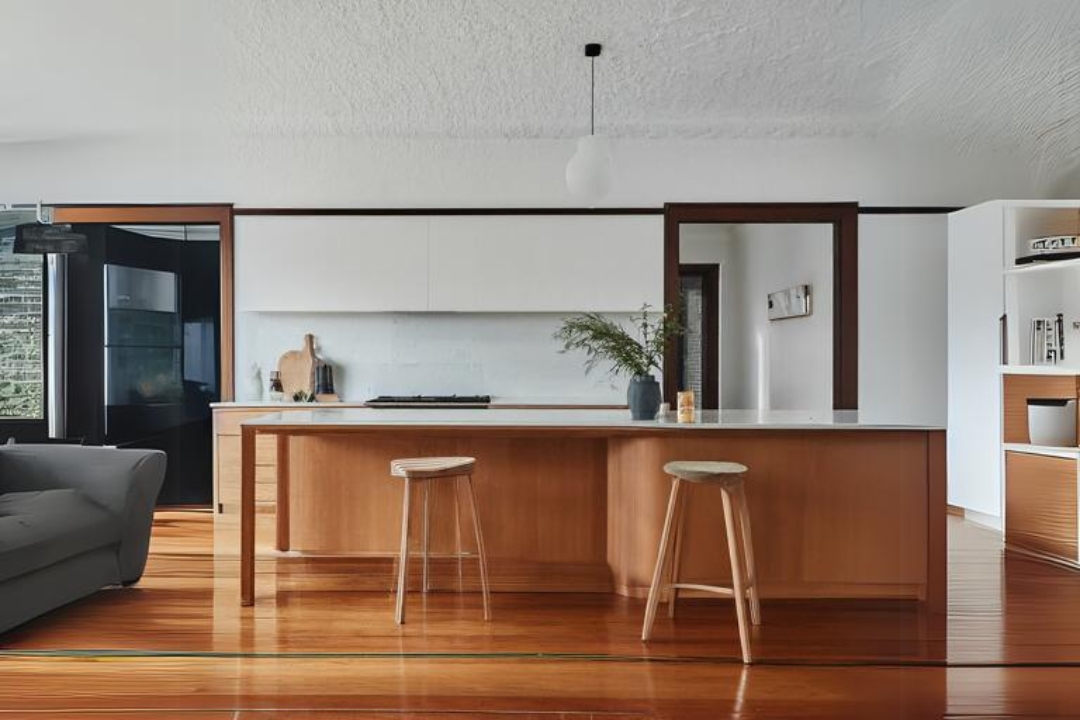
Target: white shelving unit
x: 992, y: 301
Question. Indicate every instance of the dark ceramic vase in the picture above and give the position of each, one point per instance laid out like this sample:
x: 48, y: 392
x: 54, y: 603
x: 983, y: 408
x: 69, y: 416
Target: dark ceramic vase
x: 643, y: 397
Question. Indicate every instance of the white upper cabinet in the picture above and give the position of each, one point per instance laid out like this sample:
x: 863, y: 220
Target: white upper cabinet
x: 331, y: 264
x: 448, y: 264
x: 546, y: 263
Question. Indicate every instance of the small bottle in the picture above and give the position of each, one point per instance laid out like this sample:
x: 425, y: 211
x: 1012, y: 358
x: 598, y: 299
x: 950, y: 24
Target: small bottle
x: 686, y: 406
x: 277, y: 392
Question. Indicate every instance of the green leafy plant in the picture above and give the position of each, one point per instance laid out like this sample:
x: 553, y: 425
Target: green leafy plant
x: 603, y: 339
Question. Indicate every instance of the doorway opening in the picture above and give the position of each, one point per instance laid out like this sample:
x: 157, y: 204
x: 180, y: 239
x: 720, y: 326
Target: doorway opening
x: 783, y: 329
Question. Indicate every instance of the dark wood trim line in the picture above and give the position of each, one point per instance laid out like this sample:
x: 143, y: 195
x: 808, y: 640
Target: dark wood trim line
x: 908, y: 210
x: 843, y: 216
x: 846, y: 309
x: 863, y: 209
x: 406, y: 211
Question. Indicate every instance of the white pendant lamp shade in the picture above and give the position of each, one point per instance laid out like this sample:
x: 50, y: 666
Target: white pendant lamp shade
x: 589, y: 172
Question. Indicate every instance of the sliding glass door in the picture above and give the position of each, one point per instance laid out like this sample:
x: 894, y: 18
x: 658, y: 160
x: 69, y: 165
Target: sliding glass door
x: 22, y: 336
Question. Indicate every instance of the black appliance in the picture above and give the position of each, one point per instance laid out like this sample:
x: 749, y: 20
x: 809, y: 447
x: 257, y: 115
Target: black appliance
x: 430, y: 401
x: 143, y: 348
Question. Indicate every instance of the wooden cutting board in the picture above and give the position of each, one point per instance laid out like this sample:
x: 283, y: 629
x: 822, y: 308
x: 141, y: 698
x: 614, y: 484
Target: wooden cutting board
x: 297, y: 368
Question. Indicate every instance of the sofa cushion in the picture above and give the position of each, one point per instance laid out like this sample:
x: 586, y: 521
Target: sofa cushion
x: 42, y: 527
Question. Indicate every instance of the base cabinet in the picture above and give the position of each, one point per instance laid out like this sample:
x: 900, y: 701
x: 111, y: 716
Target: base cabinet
x: 1041, y: 506
x: 1041, y: 483
x: 227, y: 463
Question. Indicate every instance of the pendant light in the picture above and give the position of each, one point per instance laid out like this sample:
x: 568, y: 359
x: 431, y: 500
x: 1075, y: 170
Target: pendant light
x: 588, y: 174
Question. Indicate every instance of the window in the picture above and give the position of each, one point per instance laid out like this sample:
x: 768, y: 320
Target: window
x: 22, y: 336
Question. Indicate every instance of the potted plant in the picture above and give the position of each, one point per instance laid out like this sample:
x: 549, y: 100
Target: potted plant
x: 603, y: 339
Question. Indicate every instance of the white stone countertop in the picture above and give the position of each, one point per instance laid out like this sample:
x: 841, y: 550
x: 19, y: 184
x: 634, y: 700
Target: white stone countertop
x: 496, y: 401
x: 576, y: 418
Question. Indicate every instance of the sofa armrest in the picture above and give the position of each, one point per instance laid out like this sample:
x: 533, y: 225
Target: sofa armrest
x: 125, y: 482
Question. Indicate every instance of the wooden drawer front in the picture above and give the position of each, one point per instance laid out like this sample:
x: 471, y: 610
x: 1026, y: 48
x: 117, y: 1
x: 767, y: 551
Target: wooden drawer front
x: 1040, y: 504
x: 229, y: 452
x: 265, y: 492
x: 228, y: 471
x: 1019, y: 388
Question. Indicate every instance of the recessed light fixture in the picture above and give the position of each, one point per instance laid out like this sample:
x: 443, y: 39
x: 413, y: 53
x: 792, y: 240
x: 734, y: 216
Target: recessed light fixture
x: 588, y: 174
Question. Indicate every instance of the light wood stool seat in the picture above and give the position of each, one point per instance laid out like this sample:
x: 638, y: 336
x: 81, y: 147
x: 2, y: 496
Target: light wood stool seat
x: 422, y: 471
x: 705, y: 471
x: 433, y: 467
x: 730, y: 478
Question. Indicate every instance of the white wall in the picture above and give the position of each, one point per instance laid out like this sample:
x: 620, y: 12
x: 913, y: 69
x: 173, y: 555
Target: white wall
x: 765, y: 364
x: 326, y: 171
x: 329, y: 171
x: 903, y: 319
x: 902, y: 316
x: 509, y: 355
x: 788, y: 364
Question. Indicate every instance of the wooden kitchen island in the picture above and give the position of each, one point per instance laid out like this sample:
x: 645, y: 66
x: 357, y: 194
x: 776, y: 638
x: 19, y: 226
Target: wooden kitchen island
x: 574, y: 500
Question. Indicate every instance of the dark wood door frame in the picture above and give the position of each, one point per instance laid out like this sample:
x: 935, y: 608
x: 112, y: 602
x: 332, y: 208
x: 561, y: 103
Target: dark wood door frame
x: 710, y: 321
x: 209, y: 214
x: 844, y: 218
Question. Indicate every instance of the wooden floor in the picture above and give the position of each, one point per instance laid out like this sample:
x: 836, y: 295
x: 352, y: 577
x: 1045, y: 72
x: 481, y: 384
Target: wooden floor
x: 179, y: 645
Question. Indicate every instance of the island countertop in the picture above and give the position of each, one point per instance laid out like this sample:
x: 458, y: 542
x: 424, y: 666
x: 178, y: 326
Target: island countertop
x: 575, y: 418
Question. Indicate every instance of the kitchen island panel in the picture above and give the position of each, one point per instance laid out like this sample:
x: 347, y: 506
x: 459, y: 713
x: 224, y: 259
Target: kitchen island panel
x: 834, y: 514
x: 537, y: 498
x: 574, y: 501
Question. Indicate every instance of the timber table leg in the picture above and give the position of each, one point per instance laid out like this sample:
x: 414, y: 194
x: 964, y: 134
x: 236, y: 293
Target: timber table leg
x: 283, y: 540
x: 247, y: 515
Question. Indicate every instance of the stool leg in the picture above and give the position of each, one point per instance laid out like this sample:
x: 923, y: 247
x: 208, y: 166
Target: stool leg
x: 480, y: 550
x: 403, y: 563
x: 676, y: 560
x: 748, y: 553
x: 426, y: 531
x: 457, y: 533
x: 736, y: 576
x: 661, y: 557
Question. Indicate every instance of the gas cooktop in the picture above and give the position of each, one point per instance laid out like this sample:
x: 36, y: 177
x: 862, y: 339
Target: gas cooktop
x: 430, y: 401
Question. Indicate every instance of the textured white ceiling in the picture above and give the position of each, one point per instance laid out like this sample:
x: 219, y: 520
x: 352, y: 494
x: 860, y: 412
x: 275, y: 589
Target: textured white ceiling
x: 971, y: 72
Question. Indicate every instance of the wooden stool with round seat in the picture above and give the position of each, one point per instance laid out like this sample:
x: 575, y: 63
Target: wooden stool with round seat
x: 422, y: 471
x: 728, y: 476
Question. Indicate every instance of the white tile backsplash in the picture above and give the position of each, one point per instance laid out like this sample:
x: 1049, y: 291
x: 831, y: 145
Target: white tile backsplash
x: 499, y: 354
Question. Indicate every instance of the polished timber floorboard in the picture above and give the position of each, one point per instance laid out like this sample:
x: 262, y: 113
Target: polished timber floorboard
x: 179, y: 645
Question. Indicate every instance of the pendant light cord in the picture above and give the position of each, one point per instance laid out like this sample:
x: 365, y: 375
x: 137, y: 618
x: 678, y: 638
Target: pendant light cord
x: 592, y: 96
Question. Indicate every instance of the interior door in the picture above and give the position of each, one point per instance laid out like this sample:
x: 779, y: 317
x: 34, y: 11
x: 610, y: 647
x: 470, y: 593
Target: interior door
x: 23, y: 335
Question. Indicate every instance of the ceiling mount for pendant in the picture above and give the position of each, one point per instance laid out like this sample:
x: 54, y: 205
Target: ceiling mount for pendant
x: 588, y: 174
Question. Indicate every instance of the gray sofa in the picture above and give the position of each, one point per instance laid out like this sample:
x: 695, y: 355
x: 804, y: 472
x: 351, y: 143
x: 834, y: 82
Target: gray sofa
x: 72, y: 520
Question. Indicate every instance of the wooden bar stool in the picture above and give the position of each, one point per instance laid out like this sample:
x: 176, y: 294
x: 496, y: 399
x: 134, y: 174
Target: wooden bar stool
x: 422, y: 471
x: 729, y: 477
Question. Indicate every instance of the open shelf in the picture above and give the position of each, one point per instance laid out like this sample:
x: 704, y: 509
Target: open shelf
x: 1044, y: 266
x: 1038, y: 370
x: 1072, y: 453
